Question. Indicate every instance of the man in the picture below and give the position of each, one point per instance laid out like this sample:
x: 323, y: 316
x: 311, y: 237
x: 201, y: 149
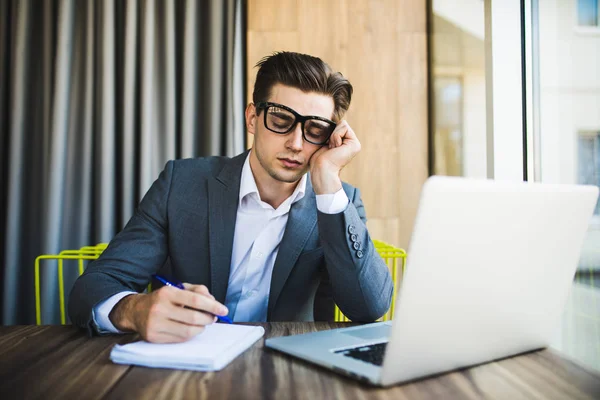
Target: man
x: 253, y: 236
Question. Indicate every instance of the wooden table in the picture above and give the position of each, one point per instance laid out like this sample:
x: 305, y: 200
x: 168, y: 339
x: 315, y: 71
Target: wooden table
x: 61, y: 362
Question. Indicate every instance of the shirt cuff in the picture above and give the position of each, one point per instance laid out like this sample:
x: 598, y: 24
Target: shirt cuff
x: 101, y: 311
x: 332, y: 203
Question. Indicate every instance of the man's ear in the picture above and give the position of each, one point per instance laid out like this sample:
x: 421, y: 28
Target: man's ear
x: 251, y: 118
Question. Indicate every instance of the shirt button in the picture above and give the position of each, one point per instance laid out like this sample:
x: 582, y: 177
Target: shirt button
x: 259, y: 255
x: 252, y: 293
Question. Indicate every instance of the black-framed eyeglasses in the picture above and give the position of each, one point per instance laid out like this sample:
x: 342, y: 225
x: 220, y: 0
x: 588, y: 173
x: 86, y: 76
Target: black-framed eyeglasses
x: 281, y: 119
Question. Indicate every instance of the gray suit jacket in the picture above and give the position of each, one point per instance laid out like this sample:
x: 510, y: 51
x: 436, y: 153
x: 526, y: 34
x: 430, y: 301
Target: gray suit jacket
x: 187, y: 221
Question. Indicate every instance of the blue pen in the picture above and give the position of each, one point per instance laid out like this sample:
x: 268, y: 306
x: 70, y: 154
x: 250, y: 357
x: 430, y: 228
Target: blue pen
x: 179, y: 285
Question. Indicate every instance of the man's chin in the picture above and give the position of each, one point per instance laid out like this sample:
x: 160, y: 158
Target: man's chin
x: 288, y: 176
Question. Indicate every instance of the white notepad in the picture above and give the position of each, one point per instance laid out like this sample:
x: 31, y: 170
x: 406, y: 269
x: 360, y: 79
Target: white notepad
x: 211, y: 350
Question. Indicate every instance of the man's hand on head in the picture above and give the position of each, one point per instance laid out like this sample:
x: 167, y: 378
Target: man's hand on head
x: 168, y: 315
x: 327, y: 162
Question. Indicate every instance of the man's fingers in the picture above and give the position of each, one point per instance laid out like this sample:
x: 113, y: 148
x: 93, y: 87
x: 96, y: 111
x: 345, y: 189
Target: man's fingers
x: 190, y: 317
x: 172, y: 332
x: 166, y: 321
x: 341, y: 132
x: 162, y: 337
x: 336, y: 137
x: 199, y: 302
x: 201, y: 289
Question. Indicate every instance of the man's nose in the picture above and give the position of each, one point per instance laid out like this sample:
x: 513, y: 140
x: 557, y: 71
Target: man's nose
x: 295, y: 140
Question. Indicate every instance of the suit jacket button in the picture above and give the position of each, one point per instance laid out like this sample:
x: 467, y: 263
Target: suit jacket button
x: 352, y: 229
x: 356, y: 245
x: 354, y: 237
x: 359, y: 254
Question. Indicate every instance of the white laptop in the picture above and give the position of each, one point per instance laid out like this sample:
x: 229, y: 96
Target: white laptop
x: 489, y: 269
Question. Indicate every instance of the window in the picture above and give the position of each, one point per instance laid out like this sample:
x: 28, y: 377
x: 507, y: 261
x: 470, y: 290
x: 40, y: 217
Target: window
x: 588, y: 161
x: 458, y: 89
x: 587, y: 12
x: 448, y: 119
x: 566, y: 86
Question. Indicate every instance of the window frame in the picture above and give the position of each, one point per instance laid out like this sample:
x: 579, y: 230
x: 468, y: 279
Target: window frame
x: 595, y: 134
x: 586, y: 30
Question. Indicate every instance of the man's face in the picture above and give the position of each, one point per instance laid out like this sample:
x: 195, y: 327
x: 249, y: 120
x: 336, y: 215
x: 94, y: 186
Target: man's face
x: 284, y: 157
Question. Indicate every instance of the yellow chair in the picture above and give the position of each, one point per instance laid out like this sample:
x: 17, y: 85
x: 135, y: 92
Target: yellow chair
x: 84, y: 253
x: 395, y: 258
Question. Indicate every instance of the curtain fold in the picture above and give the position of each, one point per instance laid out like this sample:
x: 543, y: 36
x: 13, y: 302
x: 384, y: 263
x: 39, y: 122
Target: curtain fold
x: 129, y: 121
x: 95, y: 97
x: 16, y: 215
x: 189, y: 98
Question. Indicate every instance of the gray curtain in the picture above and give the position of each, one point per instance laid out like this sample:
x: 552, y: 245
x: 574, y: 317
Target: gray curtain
x: 95, y: 97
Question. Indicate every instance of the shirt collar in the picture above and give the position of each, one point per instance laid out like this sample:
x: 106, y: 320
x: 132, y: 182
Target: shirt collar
x: 248, y: 185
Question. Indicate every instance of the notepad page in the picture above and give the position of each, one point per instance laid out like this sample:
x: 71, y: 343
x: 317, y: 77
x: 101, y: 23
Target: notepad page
x: 212, y: 349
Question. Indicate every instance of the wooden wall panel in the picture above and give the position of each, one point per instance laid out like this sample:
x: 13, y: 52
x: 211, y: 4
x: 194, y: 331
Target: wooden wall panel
x: 381, y: 47
x: 272, y: 16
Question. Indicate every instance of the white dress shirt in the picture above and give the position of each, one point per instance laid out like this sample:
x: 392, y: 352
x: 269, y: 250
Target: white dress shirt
x: 259, y: 229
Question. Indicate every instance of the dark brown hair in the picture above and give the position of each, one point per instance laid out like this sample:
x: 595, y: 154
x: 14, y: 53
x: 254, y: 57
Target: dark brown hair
x: 304, y: 72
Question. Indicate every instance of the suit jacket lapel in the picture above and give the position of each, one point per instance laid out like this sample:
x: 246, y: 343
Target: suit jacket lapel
x: 301, y: 222
x: 223, y: 197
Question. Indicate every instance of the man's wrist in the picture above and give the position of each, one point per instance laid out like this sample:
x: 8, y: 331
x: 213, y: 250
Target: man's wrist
x: 332, y: 203
x: 122, y: 313
x: 326, y: 182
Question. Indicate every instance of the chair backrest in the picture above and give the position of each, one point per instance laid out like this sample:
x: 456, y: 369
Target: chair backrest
x: 395, y: 258
x: 79, y: 255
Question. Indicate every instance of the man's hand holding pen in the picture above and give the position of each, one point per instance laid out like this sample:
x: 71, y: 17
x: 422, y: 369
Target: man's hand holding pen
x: 169, y: 314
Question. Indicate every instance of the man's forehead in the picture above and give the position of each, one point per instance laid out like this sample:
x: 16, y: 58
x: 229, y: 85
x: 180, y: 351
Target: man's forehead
x: 304, y: 103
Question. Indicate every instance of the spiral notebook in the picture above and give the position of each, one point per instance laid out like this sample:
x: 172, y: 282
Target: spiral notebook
x: 211, y: 350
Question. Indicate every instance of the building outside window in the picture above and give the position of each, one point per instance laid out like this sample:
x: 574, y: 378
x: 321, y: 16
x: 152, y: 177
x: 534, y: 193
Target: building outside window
x: 588, y: 161
x: 587, y: 12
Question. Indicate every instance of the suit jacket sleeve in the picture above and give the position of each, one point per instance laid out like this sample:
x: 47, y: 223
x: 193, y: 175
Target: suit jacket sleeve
x: 360, y: 280
x: 134, y: 254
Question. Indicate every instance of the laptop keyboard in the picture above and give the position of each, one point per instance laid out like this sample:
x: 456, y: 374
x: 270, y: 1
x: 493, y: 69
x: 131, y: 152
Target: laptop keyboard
x: 372, y: 354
